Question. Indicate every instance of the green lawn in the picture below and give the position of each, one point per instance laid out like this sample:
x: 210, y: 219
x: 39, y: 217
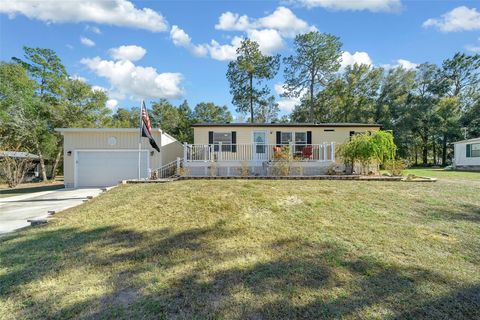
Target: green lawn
x: 254, y: 249
x: 31, y: 187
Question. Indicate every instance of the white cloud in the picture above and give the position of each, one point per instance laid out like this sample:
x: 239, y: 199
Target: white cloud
x: 269, y: 31
x: 282, y: 19
x: 181, y: 39
x: 216, y: 51
x: 69, y: 46
x: 405, y: 64
x: 269, y: 40
x: 224, y: 52
x: 285, y: 104
x: 286, y: 22
x: 459, y: 19
x: 230, y: 21
x: 98, y: 88
x: 132, y: 53
x: 473, y: 48
x: 128, y: 79
x: 93, y: 29
x: 79, y: 78
x: 112, y: 104
x: 349, y: 59
x: 408, y: 65
x: 120, y: 13
x: 355, y: 5
x: 87, y: 42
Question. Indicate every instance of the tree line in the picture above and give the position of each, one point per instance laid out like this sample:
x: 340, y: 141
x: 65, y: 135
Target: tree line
x: 38, y: 95
x: 427, y: 107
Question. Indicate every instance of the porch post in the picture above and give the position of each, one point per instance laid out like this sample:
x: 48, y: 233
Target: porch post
x: 290, y: 145
x: 185, y: 151
x: 332, y: 145
x: 219, y: 151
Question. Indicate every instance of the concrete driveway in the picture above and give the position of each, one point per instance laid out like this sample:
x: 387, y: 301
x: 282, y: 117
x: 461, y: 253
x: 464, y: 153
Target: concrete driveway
x: 15, y: 211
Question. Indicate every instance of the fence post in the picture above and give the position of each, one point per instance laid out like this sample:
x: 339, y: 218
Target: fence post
x: 178, y: 163
x: 185, y: 151
x: 332, y: 146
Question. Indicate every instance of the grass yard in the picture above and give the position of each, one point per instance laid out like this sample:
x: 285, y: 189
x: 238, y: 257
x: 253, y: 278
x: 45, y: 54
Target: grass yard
x: 30, y: 187
x: 254, y: 249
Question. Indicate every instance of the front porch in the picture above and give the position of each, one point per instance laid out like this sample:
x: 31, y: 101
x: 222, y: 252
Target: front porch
x: 257, y: 159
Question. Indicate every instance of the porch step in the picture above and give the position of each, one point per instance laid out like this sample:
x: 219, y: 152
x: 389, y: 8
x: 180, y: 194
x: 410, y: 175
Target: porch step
x: 164, y: 180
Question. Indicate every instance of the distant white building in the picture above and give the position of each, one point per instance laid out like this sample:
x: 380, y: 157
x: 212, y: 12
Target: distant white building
x: 467, y: 154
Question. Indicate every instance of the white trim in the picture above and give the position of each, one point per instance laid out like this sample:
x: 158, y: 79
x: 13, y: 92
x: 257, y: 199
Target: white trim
x: 254, y: 145
x: 75, y: 157
x: 468, y: 141
x: 102, y: 130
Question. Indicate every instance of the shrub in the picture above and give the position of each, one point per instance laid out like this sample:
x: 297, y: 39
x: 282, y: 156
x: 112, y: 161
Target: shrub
x: 368, y: 148
x: 395, y: 167
x: 281, y: 165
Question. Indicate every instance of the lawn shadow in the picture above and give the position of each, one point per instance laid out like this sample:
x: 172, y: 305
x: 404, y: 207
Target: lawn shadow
x: 463, y: 212
x: 296, y: 281
x: 17, y: 191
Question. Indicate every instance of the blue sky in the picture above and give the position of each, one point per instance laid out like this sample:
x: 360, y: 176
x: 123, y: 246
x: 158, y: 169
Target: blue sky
x: 180, y: 49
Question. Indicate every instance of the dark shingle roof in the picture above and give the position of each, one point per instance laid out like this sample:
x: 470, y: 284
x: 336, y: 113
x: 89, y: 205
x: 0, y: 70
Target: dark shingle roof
x: 337, y: 124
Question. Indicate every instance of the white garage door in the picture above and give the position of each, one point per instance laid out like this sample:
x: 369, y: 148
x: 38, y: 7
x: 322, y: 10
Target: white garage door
x: 108, y: 168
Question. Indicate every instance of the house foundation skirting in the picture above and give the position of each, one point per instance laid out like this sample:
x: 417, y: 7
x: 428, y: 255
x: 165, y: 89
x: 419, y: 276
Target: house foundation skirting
x: 256, y: 168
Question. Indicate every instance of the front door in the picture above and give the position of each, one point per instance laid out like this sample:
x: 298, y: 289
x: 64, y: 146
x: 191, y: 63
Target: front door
x: 259, y: 145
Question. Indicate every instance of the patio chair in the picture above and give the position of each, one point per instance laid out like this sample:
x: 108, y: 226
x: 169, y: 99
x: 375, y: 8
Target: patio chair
x: 307, y: 152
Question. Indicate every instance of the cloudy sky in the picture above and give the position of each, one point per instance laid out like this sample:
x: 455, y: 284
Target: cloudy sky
x: 180, y: 49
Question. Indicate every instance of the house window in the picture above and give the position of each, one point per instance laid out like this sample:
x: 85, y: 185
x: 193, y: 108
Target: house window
x: 474, y: 150
x: 286, y: 137
x: 300, y: 141
x: 225, y: 138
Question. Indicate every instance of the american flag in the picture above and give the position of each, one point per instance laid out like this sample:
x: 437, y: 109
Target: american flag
x: 146, y: 128
x: 146, y: 119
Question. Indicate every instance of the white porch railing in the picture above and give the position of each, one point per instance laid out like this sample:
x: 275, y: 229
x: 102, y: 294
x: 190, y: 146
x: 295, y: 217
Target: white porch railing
x: 258, y: 152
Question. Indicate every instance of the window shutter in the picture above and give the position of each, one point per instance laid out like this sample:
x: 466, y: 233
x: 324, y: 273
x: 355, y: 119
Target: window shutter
x: 279, y: 138
x: 469, y: 150
x: 234, y: 141
x: 210, y: 137
x: 309, y: 137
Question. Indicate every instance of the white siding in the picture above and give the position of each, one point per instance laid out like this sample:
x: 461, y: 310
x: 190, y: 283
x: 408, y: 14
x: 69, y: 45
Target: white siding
x: 461, y: 155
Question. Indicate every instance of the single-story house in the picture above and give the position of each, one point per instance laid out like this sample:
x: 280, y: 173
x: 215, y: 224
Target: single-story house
x: 230, y: 149
x: 98, y: 157
x: 34, y: 170
x: 467, y: 154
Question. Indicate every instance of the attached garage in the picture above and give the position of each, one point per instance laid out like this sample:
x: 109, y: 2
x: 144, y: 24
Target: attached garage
x: 105, y: 156
x: 105, y: 168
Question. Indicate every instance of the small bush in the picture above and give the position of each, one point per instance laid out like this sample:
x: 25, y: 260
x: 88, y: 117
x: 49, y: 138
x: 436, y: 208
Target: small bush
x: 395, y: 167
x: 244, y: 169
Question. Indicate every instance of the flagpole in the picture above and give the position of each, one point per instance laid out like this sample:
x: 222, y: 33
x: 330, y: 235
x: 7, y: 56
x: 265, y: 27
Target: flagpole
x: 140, y: 141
